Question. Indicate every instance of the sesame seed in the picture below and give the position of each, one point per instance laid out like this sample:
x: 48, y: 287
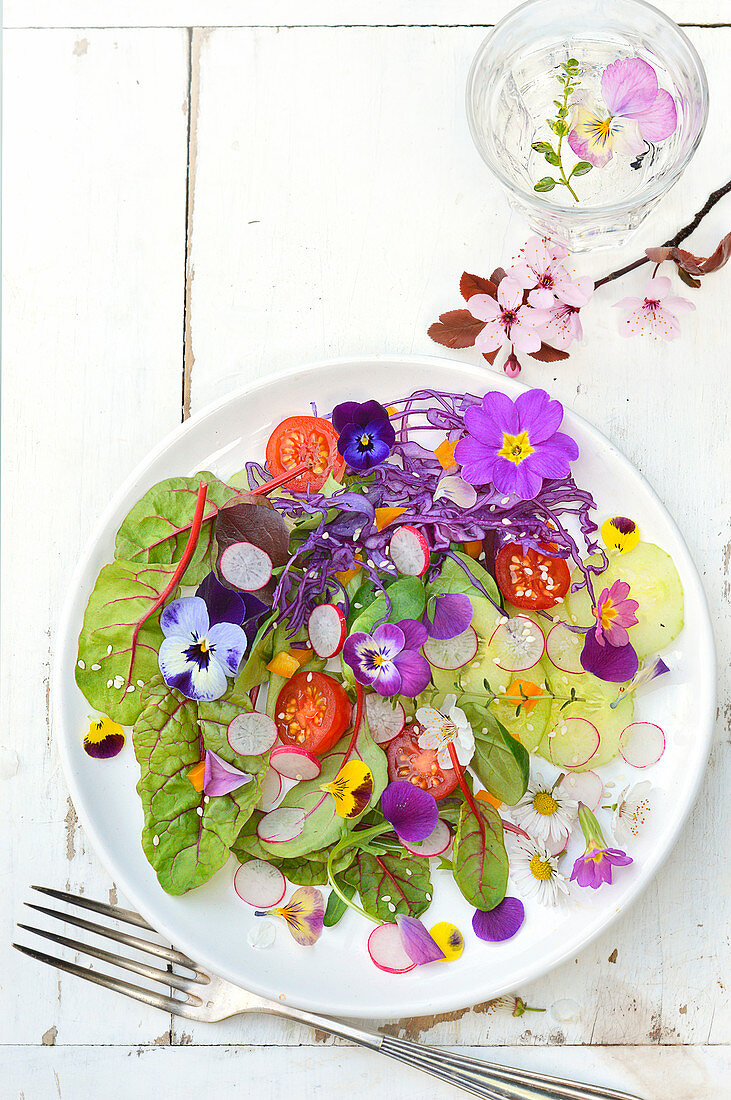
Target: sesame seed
x: 309, y: 677
x: 130, y: 687
x: 140, y: 683
x: 506, y: 522
x: 95, y: 668
x: 109, y: 650
x: 505, y: 500
x: 156, y: 840
x: 109, y: 683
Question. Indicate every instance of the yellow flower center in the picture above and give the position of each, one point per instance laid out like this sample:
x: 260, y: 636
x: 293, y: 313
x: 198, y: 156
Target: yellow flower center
x: 516, y: 447
x: 378, y: 660
x: 544, y: 803
x: 365, y: 440
x: 203, y: 645
x: 603, y: 126
x: 607, y: 613
x: 540, y: 868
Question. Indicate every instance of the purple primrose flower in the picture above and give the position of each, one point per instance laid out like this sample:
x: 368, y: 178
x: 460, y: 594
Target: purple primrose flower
x: 595, y: 866
x: 389, y: 659
x: 365, y: 432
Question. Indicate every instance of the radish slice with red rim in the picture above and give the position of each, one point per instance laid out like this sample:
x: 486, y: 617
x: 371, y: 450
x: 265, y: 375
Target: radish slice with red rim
x: 409, y: 551
x: 271, y: 789
x: 282, y: 824
x: 295, y: 763
x: 387, y: 951
x: 245, y: 567
x: 574, y: 742
x: 556, y: 847
x: 260, y: 884
x: 326, y: 629
x: 518, y: 644
x: 586, y: 787
x: 641, y: 744
x: 455, y: 653
x: 437, y: 842
x: 251, y: 733
x: 563, y: 649
x: 385, y: 721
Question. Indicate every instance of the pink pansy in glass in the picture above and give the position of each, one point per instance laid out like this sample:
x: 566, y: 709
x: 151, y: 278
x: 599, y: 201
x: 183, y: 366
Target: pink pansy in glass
x: 547, y: 277
x: 656, y: 313
x: 564, y: 323
x: 506, y: 318
x: 636, y: 110
x: 515, y: 444
x: 614, y: 612
x: 594, y: 868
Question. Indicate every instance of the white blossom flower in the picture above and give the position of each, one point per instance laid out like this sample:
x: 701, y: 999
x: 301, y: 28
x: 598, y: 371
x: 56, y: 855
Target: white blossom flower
x: 632, y: 810
x: 545, y: 812
x: 537, y: 873
x: 442, y: 727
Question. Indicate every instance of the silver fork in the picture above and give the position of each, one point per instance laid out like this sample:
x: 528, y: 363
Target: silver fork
x: 208, y: 998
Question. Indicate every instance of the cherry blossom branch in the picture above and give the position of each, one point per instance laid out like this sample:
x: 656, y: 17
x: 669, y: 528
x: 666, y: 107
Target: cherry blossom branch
x: 680, y: 236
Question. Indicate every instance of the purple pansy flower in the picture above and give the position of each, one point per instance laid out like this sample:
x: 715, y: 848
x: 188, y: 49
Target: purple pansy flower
x: 636, y: 110
x: 366, y: 434
x: 226, y: 606
x: 219, y: 777
x: 515, y: 444
x: 196, y: 656
x: 595, y: 866
x: 500, y: 923
x: 411, y: 810
x: 389, y: 659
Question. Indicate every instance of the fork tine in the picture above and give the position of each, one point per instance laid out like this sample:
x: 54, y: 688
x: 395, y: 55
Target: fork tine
x: 166, y: 977
x: 126, y: 915
x: 156, y: 1000
x: 167, y: 953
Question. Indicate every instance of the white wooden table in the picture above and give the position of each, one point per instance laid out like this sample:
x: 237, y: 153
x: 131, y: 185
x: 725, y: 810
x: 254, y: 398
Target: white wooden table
x: 190, y: 207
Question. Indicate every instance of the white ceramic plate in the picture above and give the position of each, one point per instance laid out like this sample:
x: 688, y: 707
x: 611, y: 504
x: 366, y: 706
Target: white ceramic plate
x: 336, y: 976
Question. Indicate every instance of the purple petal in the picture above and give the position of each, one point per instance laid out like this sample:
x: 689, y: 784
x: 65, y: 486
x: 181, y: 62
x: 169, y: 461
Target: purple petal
x: 629, y: 87
x: 448, y: 615
x: 387, y: 681
x: 228, y: 645
x: 488, y: 421
x: 345, y: 413
x: 500, y: 923
x: 185, y: 617
x: 390, y: 639
x: 613, y: 664
x: 415, y: 672
x: 415, y: 633
x: 538, y: 415
x: 411, y: 810
x: 617, y: 857
x: 554, y: 457
x: 506, y: 479
x: 417, y: 942
x: 659, y: 120
x: 220, y: 777
x: 586, y: 873
x: 224, y: 605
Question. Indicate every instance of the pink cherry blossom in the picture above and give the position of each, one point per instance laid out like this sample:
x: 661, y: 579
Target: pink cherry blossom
x: 564, y: 323
x: 507, y: 318
x: 656, y: 313
x: 543, y: 272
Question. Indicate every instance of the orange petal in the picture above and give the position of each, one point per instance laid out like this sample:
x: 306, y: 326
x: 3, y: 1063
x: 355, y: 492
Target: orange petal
x: 474, y: 549
x: 485, y: 796
x: 445, y: 454
x: 384, y: 516
x: 283, y: 664
x: 513, y: 694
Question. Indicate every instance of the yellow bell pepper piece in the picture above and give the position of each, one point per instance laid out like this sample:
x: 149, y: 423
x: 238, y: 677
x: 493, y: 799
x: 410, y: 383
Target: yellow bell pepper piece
x: 283, y: 664
x: 384, y: 516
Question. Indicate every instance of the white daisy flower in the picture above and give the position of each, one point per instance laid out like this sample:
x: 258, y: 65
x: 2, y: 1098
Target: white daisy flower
x: 537, y: 873
x: 545, y: 812
x: 442, y: 727
x: 632, y: 810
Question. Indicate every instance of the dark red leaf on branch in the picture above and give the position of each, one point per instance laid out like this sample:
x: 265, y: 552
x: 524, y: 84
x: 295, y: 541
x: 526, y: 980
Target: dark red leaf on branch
x: 720, y: 257
x: 547, y: 354
x: 491, y: 356
x: 689, y: 280
x: 470, y: 285
x: 693, y: 265
x: 498, y: 275
x: 456, y: 329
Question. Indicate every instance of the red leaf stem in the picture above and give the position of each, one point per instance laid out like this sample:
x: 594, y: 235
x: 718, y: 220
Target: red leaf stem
x: 282, y: 479
x: 508, y: 825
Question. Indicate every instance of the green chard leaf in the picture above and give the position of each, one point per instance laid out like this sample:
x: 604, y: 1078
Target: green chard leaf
x: 112, y: 665
x: 480, y: 862
x: 500, y: 762
x: 391, y: 884
x: 187, y: 837
x: 454, y: 579
x: 156, y: 529
x: 407, y: 600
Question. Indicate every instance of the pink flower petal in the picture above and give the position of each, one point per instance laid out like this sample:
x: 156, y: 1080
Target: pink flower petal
x: 625, y: 137
x: 671, y: 304
x: 657, y: 288
x: 483, y: 307
x: 492, y: 336
x: 660, y: 120
x: 629, y: 86
x: 541, y: 299
x: 585, y: 140
x: 509, y: 293
x: 524, y: 274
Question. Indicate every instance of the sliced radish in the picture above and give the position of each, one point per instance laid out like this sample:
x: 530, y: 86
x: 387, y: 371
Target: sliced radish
x: 586, y: 787
x: 385, y: 720
x: 518, y: 644
x: 573, y: 743
x: 326, y: 629
x: 251, y: 733
x: 245, y: 566
x: 454, y: 653
x: 641, y: 744
x: 437, y: 842
x: 295, y: 763
x: 563, y: 648
x: 260, y: 884
x: 555, y: 847
x: 387, y: 951
x: 409, y: 551
x: 282, y: 824
x: 271, y: 789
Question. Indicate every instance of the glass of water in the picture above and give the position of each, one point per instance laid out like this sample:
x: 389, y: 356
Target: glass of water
x: 587, y: 113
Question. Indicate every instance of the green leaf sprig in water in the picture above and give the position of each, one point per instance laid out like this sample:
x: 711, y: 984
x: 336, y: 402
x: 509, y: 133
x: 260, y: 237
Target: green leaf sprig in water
x: 568, y: 79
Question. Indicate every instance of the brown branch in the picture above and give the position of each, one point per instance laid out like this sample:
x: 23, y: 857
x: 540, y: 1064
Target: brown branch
x: 680, y: 236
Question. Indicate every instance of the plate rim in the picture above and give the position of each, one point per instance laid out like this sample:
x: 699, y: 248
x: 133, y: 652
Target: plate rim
x: 64, y: 633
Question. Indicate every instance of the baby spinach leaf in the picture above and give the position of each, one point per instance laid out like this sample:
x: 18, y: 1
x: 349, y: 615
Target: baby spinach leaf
x: 254, y: 669
x: 311, y: 871
x: 480, y: 861
x: 453, y: 578
x: 112, y: 666
x: 390, y: 884
x: 408, y: 601
x: 186, y: 837
x: 500, y: 762
x: 156, y: 529
x: 335, y: 908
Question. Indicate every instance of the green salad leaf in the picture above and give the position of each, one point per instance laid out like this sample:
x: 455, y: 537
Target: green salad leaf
x: 500, y: 762
x: 408, y: 601
x: 308, y: 871
x: 187, y: 837
x: 390, y: 884
x: 454, y: 579
x: 480, y: 863
x: 156, y: 529
x: 336, y: 907
x: 111, y: 666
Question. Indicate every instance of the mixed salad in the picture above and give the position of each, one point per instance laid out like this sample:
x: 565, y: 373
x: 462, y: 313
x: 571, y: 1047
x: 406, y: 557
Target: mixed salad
x: 401, y: 647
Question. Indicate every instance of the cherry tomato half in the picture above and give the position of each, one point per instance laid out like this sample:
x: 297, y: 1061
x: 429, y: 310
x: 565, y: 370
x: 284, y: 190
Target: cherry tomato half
x: 301, y: 439
x: 532, y: 581
x: 407, y: 760
x: 313, y: 711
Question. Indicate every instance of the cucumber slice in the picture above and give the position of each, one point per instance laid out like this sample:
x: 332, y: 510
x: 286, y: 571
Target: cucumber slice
x: 595, y: 696
x: 482, y: 667
x: 654, y: 583
x: 531, y: 723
